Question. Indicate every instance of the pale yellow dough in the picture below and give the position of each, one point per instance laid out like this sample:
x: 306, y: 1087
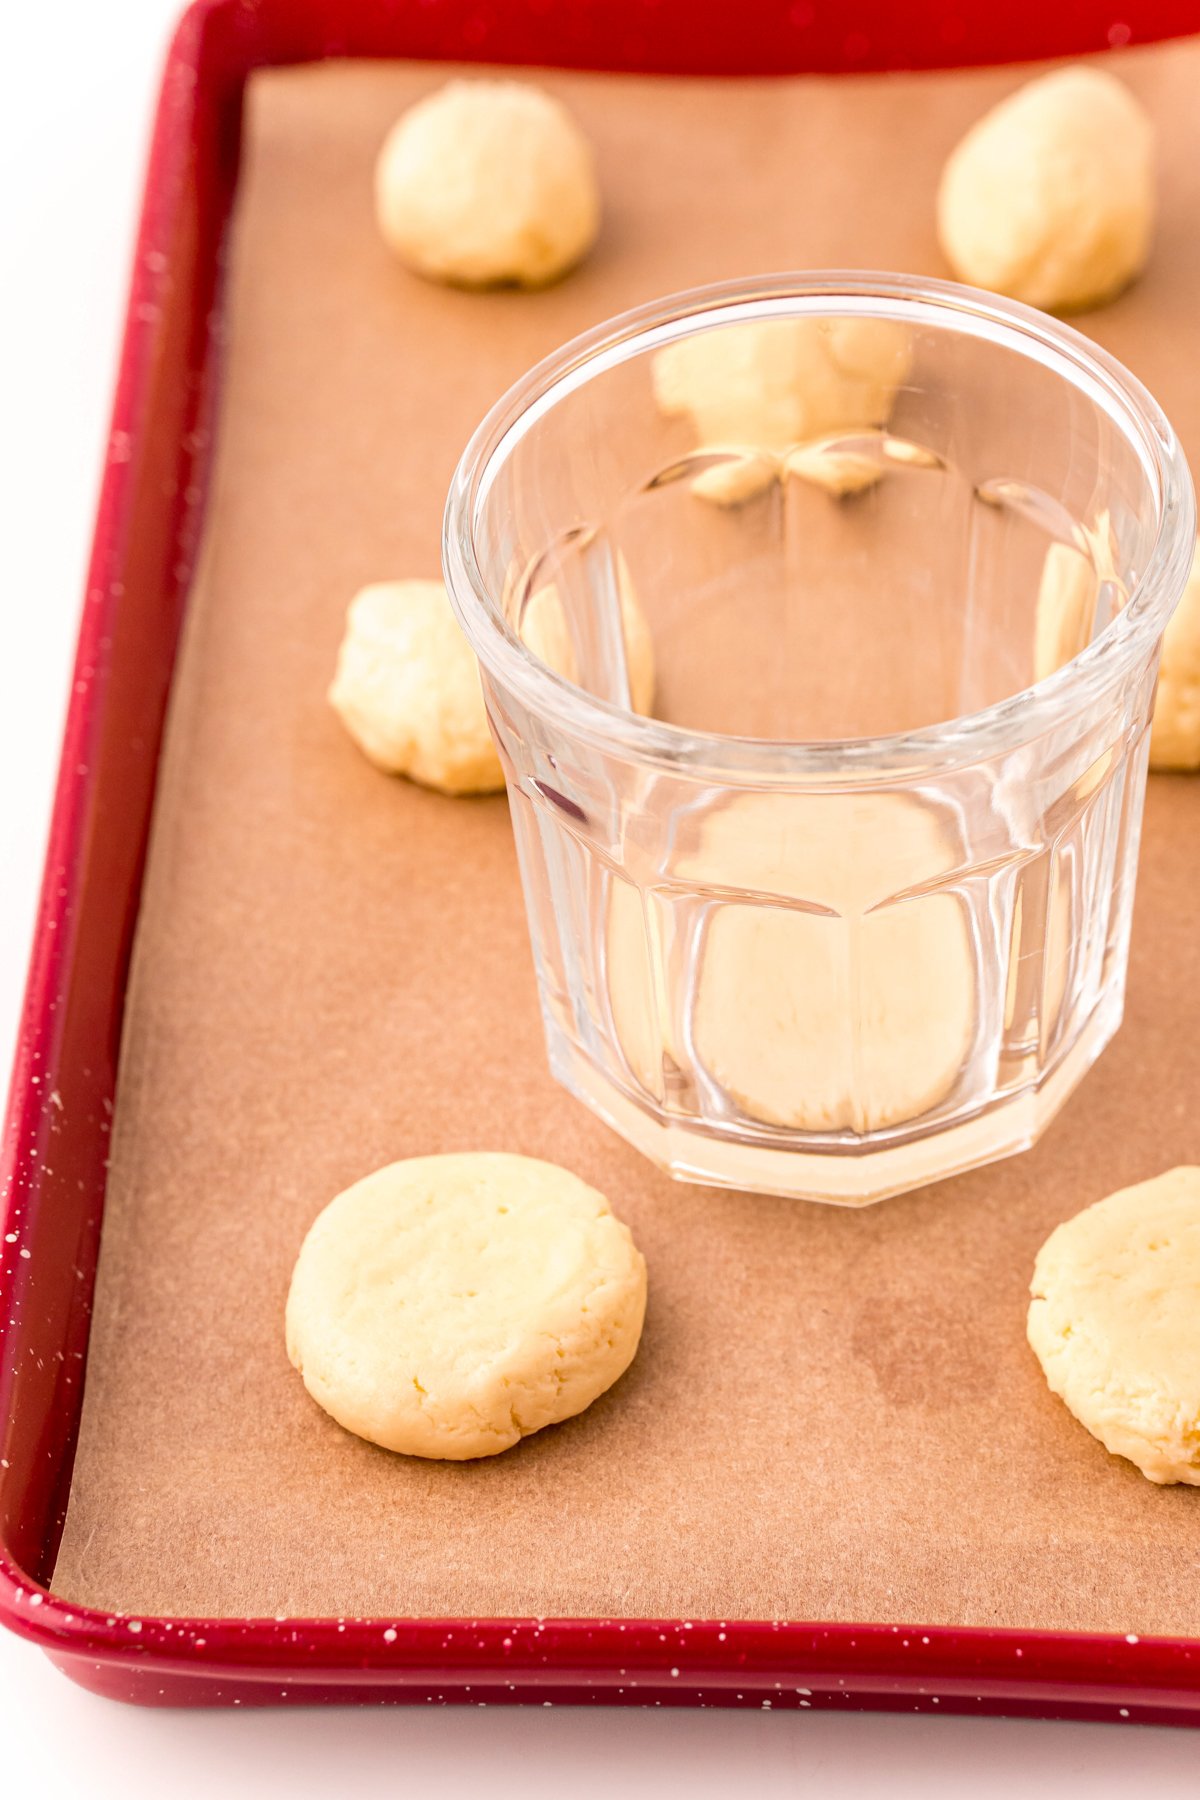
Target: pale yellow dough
x: 1050, y: 196
x: 852, y: 1016
x: 487, y: 182
x: 1175, y: 735
x: 1115, y: 1322
x: 762, y: 390
x: 407, y: 683
x: 449, y: 1306
x: 407, y: 689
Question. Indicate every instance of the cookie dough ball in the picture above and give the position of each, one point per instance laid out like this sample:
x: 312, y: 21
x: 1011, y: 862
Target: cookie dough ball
x: 1115, y: 1322
x: 487, y: 182
x: 1050, y: 196
x: 407, y: 689
x: 544, y: 629
x: 763, y: 389
x: 407, y: 683
x: 449, y: 1306
x: 1175, y: 735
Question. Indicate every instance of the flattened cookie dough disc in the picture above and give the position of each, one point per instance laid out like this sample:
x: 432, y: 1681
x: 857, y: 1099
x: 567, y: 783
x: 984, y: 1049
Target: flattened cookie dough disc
x: 854, y: 1015
x: 1115, y: 1322
x: 852, y: 1011
x: 448, y: 1306
x: 824, y: 1025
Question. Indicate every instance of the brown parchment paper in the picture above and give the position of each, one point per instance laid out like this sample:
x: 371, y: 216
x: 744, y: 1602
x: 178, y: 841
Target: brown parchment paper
x: 833, y: 1414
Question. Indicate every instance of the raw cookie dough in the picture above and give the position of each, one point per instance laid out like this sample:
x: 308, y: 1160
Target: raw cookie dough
x: 487, y: 182
x: 1050, y: 196
x: 1175, y: 735
x: 853, y: 1016
x: 1115, y: 1322
x: 407, y: 689
x: 407, y: 683
x: 760, y: 390
x: 450, y: 1305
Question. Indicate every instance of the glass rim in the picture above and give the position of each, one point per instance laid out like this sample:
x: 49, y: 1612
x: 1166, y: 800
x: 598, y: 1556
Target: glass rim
x: 909, y: 299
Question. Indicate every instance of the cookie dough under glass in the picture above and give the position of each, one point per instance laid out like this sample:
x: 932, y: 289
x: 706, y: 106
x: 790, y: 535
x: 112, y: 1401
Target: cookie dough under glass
x: 850, y: 1009
x: 765, y: 389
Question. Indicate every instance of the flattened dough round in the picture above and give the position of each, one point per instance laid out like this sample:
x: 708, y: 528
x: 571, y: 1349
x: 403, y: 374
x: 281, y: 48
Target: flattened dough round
x: 851, y: 1012
x: 1115, y: 1322
x: 765, y: 388
x: 407, y: 689
x: 852, y: 1018
x: 487, y: 182
x: 1050, y: 196
x: 448, y: 1306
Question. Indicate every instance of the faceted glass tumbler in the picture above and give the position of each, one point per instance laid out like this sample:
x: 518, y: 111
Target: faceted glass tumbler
x: 835, y: 899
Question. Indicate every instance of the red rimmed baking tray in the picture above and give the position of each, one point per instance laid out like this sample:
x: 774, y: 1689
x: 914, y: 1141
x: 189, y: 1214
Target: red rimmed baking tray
x: 55, y: 1146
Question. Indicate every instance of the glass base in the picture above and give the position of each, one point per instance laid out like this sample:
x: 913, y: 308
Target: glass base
x: 858, y: 1175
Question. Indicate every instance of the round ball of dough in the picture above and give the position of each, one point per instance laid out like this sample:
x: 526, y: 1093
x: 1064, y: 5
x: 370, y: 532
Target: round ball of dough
x: 1050, y: 196
x: 1115, y: 1322
x: 1175, y: 734
x: 487, y: 182
x: 407, y: 689
x: 407, y: 683
x: 766, y: 388
x: 450, y: 1305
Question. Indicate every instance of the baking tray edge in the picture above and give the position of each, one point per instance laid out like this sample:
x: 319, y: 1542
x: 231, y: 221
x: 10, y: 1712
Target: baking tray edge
x: 61, y: 1094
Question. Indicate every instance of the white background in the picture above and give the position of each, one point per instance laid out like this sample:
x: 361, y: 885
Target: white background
x: 78, y: 83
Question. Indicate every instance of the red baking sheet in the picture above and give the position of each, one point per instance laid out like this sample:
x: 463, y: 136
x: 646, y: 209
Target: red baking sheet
x: 55, y: 1154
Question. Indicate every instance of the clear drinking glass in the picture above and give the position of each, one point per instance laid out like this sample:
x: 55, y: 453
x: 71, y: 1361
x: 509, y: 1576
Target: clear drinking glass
x: 850, y: 911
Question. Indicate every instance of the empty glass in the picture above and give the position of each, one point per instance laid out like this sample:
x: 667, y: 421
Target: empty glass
x: 818, y: 622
